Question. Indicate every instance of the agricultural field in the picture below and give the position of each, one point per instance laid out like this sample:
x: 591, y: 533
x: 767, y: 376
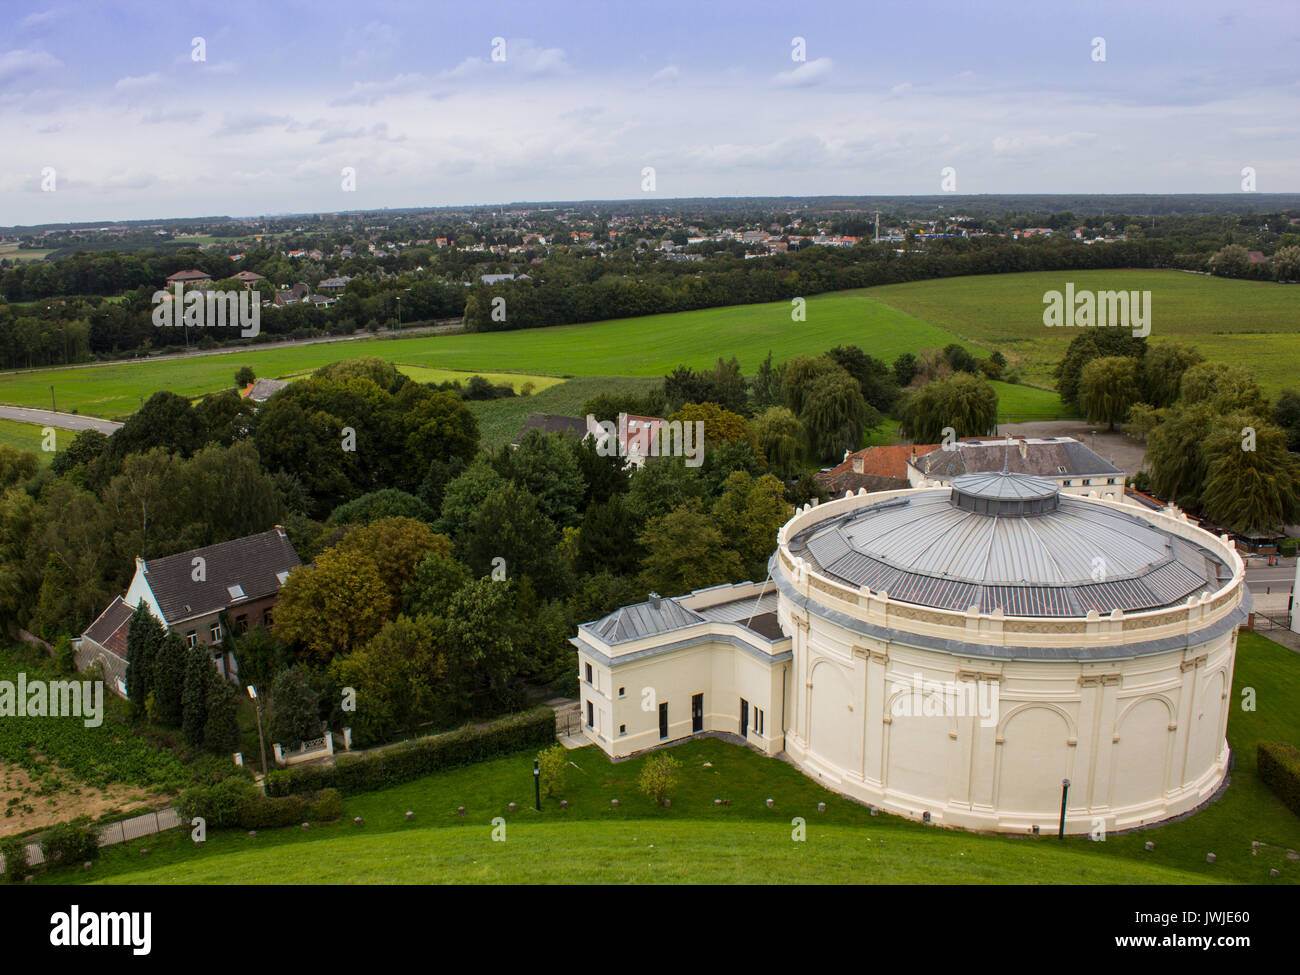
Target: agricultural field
x: 54, y: 768
x: 696, y: 841
x: 1255, y: 324
x: 1251, y: 323
x: 11, y: 252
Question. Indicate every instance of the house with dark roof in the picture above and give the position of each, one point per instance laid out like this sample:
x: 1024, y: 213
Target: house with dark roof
x: 1074, y: 467
x: 196, y: 594
x: 568, y: 426
x: 190, y: 277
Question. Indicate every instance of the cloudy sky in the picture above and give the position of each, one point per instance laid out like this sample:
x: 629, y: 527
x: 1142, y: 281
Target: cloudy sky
x: 110, y: 96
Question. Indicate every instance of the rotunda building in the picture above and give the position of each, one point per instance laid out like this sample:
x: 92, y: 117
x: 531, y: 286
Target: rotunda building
x: 960, y: 653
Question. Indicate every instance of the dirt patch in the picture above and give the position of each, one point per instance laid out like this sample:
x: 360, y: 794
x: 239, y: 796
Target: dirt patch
x: 32, y: 802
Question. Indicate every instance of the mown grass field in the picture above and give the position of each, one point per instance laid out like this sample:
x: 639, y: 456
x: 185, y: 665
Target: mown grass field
x: 1255, y: 324
x: 29, y: 436
x: 695, y: 841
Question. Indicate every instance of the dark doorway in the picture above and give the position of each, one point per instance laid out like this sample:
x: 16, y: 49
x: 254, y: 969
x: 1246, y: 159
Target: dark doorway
x: 591, y: 716
x: 663, y: 720
x: 697, y: 713
x: 744, y: 718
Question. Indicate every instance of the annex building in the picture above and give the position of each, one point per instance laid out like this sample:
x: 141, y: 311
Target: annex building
x: 953, y: 652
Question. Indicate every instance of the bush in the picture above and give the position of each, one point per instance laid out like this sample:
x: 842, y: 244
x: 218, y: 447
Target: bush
x: 69, y: 843
x: 220, y: 805
x: 1288, y: 547
x: 14, y: 851
x: 1279, y: 769
x: 553, y: 763
x: 658, y: 777
x: 402, y: 763
x: 65, y: 658
x: 237, y: 802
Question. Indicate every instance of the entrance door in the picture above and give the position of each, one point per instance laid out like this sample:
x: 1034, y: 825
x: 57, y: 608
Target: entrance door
x: 591, y: 716
x: 663, y: 720
x: 744, y: 718
x: 697, y: 713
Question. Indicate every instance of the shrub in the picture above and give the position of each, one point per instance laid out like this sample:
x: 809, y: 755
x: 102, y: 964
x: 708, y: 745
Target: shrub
x: 237, y: 802
x: 219, y: 805
x: 554, y: 764
x: 14, y: 851
x: 69, y: 843
x: 1279, y: 769
x: 402, y: 763
x: 658, y: 777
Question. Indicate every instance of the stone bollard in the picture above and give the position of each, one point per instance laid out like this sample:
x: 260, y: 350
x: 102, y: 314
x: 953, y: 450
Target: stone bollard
x: 512, y: 807
x: 821, y: 807
x: 460, y: 810
x: 1275, y: 872
x: 357, y: 820
x: 409, y: 815
x: 251, y: 832
x: 771, y: 803
x: 667, y: 803
x: 613, y: 803
x: 564, y: 803
x: 144, y: 851
x: 1210, y: 858
x: 87, y: 865
x: 306, y: 825
x: 1149, y: 846
x: 717, y: 802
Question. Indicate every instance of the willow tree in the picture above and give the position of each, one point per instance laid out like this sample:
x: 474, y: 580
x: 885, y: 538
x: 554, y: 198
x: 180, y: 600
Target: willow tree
x: 965, y: 403
x: 1252, y: 481
x: 1107, y: 388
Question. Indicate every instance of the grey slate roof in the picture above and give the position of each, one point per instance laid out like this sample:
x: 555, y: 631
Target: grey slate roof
x: 109, y: 628
x: 253, y: 563
x: 569, y: 426
x: 655, y: 615
x: 1048, y: 457
x: 1076, y: 557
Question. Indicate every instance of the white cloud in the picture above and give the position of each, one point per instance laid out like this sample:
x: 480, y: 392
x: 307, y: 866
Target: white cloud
x: 131, y: 82
x: 522, y: 56
x: 808, y: 73
x: 15, y: 64
x: 666, y: 75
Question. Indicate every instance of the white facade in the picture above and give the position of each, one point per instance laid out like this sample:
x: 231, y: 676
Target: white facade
x: 969, y: 719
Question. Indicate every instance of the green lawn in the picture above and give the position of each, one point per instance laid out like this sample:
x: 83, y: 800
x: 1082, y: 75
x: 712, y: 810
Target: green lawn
x: 745, y: 842
x: 1253, y: 323
x: 499, y: 420
x: 29, y: 436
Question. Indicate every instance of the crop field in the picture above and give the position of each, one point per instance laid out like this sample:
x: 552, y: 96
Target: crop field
x: 698, y: 841
x: 1255, y: 324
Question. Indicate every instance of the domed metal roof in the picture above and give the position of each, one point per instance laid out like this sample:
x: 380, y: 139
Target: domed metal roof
x: 1014, y: 542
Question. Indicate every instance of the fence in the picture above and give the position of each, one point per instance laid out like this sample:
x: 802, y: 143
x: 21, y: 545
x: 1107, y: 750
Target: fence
x: 321, y: 747
x: 119, y: 832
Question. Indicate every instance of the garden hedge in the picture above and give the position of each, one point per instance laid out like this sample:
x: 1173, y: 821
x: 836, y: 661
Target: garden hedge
x: 411, y: 760
x: 236, y: 802
x: 1279, y: 769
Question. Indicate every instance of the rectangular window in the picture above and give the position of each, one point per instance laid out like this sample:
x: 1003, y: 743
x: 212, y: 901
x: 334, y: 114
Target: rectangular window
x: 215, y: 631
x: 192, y: 638
x: 1087, y: 481
x: 622, y: 692
x: 267, y: 619
x: 1065, y: 483
x: 591, y: 716
x: 758, y: 721
x: 588, y: 666
x: 663, y: 720
x: 241, y: 624
x: 622, y: 729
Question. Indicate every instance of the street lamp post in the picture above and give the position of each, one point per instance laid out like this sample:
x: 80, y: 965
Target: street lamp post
x: 537, y: 786
x: 252, y: 692
x: 1065, y: 791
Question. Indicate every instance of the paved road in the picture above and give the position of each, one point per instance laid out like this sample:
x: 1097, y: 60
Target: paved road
x: 60, y: 421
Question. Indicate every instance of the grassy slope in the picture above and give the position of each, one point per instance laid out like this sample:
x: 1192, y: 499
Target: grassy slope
x: 1252, y: 323
x: 695, y: 841
x: 500, y: 420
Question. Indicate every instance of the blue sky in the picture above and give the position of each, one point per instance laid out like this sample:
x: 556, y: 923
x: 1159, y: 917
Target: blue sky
x: 109, y: 96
